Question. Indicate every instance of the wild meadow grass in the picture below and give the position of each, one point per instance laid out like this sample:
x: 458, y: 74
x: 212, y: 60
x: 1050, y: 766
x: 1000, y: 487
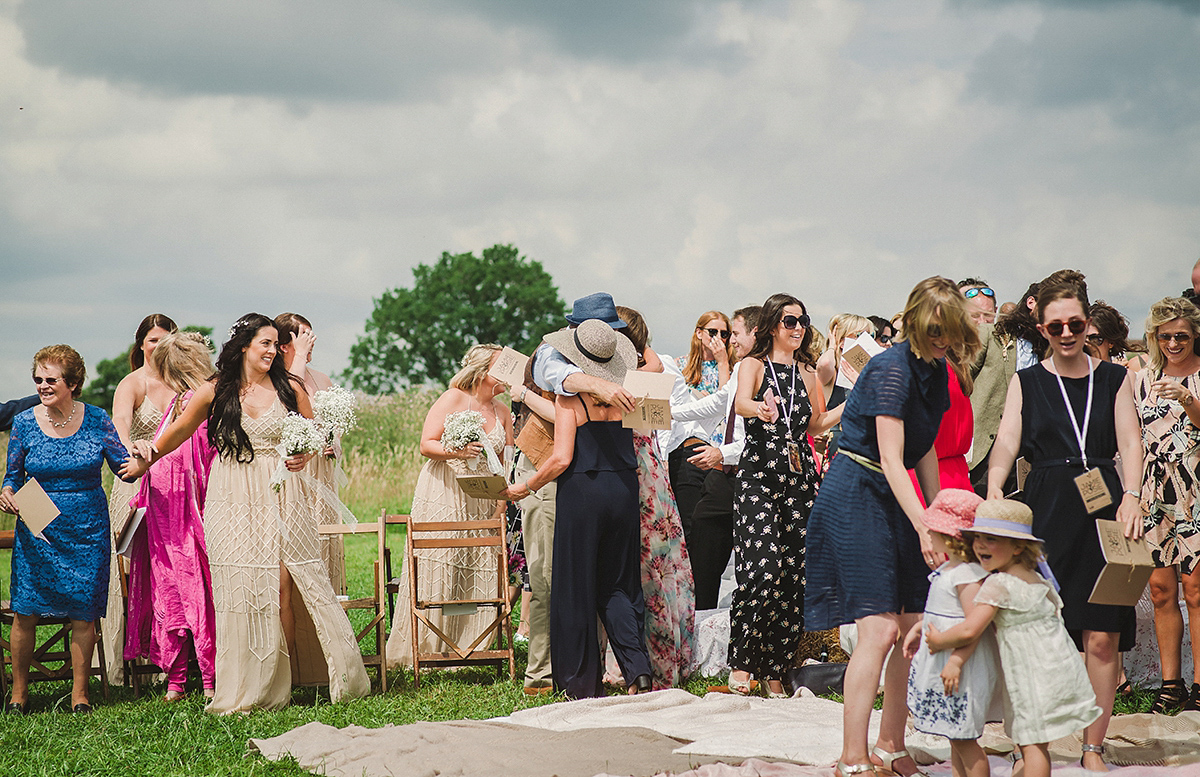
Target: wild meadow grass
x: 130, y: 735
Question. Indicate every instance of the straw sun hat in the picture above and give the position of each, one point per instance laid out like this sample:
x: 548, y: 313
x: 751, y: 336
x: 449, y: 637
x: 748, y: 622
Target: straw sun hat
x: 596, y: 348
x: 952, y: 511
x: 1005, y: 518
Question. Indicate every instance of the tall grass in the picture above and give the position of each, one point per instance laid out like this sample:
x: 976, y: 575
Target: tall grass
x: 382, y: 456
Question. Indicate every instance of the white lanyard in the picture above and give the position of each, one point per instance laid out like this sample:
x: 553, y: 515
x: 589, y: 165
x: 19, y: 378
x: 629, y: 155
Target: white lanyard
x: 1080, y: 434
x: 791, y: 399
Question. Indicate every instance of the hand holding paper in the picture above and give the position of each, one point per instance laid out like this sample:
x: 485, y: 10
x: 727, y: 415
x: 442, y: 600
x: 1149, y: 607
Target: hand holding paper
x: 653, y: 393
x: 855, y: 355
x: 769, y: 409
x: 509, y: 367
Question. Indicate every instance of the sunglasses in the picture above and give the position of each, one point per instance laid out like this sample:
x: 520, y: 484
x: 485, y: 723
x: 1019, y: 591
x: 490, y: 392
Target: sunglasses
x: 1167, y: 337
x: 791, y: 322
x: 1095, y: 339
x: 1075, y: 325
x: 721, y: 333
x: 984, y: 290
x: 39, y: 380
x: 884, y: 338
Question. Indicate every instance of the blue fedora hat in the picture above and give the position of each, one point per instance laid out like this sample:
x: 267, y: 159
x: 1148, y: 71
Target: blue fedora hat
x: 599, y: 305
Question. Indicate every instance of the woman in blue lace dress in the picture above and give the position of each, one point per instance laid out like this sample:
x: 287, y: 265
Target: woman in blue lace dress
x: 61, y: 442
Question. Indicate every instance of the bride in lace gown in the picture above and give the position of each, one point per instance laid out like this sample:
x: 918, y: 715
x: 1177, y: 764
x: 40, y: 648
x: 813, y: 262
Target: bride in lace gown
x: 276, y: 613
x: 458, y: 573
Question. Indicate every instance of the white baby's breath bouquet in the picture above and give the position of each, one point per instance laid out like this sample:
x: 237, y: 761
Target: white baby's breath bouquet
x: 335, y: 411
x: 299, y: 435
x: 465, y: 427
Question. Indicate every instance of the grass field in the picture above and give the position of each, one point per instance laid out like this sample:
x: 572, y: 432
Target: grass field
x: 142, y: 736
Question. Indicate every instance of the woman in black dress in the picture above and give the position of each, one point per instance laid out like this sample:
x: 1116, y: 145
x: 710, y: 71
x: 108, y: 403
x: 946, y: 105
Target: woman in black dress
x: 597, y: 535
x: 869, y: 554
x: 1070, y: 415
x: 775, y: 487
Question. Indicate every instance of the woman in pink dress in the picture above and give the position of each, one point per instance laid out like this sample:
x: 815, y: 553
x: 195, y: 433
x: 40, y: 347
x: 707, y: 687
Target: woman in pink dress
x: 953, y: 440
x: 170, y: 589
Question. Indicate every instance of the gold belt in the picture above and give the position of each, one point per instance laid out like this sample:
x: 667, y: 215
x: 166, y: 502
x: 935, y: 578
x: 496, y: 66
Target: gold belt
x: 863, y: 460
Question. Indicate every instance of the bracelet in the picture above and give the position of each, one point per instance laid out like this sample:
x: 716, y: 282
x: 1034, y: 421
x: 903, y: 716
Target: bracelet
x: 1187, y: 402
x: 1135, y: 493
x: 524, y: 393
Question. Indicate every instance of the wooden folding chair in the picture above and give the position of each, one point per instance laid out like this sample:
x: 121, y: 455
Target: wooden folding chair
x: 47, y: 650
x: 374, y: 602
x: 479, y: 651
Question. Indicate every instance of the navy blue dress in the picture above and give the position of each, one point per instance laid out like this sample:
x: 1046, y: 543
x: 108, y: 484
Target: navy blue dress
x: 66, y: 574
x: 864, y: 557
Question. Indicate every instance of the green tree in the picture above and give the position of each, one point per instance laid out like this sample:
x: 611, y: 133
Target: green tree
x: 418, y: 335
x: 107, y: 373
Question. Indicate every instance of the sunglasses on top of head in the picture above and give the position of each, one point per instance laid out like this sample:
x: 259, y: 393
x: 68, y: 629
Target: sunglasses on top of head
x: 1075, y: 325
x: 791, y: 322
x: 721, y: 333
x: 38, y: 380
x: 975, y: 292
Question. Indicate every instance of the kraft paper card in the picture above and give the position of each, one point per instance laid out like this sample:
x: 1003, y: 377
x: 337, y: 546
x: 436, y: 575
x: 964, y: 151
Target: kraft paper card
x: 483, y: 486
x: 509, y: 367
x: 37, y: 510
x: 855, y: 355
x: 653, y: 393
x: 1127, y: 566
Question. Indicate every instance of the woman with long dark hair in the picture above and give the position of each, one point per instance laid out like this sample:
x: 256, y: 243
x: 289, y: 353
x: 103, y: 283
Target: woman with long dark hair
x: 869, y: 553
x: 135, y: 414
x: 262, y: 543
x: 780, y: 397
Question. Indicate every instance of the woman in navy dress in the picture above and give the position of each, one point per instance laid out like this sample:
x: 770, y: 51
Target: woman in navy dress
x: 869, y: 554
x: 63, y: 443
x: 597, y: 536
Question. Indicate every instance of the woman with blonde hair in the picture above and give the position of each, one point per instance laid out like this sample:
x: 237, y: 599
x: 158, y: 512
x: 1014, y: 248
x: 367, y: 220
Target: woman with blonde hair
x: 458, y: 573
x: 869, y: 554
x: 842, y: 327
x: 170, y: 608
x: 1170, y: 418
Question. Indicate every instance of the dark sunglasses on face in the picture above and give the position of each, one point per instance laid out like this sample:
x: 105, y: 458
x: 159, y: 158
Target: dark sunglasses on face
x: 38, y: 380
x: 984, y: 290
x: 1178, y: 337
x: 884, y: 338
x: 1095, y: 339
x: 721, y: 333
x: 1075, y: 325
x: 791, y: 322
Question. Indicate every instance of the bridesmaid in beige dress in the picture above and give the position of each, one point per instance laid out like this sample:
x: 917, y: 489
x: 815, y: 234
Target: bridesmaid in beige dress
x: 459, y: 573
x: 135, y: 414
x: 296, y: 342
x: 270, y: 586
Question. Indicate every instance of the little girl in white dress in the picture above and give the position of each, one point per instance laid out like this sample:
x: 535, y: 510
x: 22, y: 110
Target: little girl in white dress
x: 954, y: 694
x: 1047, y: 694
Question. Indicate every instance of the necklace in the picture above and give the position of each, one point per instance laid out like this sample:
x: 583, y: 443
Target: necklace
x: 64, y: 423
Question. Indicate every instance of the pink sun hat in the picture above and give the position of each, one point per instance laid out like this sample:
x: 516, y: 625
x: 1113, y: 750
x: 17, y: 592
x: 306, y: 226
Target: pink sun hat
x: 952, y: 511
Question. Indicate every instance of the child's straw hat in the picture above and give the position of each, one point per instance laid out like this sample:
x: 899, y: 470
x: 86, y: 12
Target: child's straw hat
x: 1005, y: 518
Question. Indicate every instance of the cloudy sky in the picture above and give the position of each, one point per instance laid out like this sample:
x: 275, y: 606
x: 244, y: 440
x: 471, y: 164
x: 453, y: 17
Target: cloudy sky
x: 213, y: 157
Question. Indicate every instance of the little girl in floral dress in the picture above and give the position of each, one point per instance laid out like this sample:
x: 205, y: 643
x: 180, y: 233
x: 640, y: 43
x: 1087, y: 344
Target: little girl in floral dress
x: 954, y: 694
x: 1047, y: 693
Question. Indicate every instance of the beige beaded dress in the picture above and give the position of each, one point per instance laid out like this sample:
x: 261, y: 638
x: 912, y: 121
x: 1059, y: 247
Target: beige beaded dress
x: 143, y: 427
x: 452, y: 573
x: 251, y: 530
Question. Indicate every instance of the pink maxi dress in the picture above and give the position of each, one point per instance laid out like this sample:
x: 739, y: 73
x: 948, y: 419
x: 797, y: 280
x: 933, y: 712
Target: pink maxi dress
x: 170, y: 587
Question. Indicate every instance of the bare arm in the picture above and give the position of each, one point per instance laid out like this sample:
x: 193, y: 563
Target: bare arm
x: 542, y: 407
x: 177, y: 432
x: 1129, y: 443
x: 889, y: 430
x: 750, y: 376
x: 963, y: 633
x: 1008, y: 441
x: 822, y: 419
x: 435, y: 424
x: 610, y: 393
x: 653, y: 362
x: 125, y: 401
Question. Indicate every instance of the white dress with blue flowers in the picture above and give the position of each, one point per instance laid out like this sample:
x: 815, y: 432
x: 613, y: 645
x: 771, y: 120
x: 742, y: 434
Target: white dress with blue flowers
x: 978, y: 700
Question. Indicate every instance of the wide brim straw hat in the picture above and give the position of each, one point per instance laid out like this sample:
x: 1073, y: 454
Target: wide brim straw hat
x: 596, y: 348
x: 1005, y: 518
x: 952, y: 511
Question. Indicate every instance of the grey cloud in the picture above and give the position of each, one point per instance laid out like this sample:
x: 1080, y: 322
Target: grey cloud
x: 303, y: 49
x: 1136, y: 59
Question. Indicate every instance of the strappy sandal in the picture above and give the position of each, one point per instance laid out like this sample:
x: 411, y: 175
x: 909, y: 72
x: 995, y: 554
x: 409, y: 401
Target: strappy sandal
x: 886, y: 760
x: 848, y: 770
x: 1193, y: 701
x: 1171, y: 697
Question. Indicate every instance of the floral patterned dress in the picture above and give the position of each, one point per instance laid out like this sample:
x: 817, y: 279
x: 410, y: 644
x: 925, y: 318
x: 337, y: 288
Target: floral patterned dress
x: 666, y: 572
x: 1171, y: 451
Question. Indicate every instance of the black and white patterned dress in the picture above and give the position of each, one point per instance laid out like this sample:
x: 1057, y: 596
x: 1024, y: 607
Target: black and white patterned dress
x: 770, y: 522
